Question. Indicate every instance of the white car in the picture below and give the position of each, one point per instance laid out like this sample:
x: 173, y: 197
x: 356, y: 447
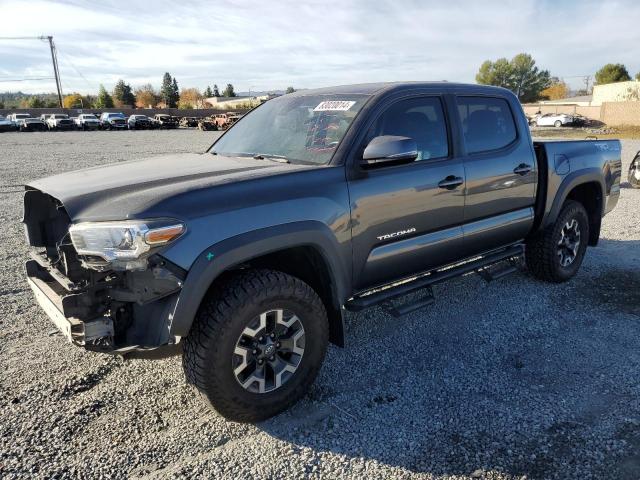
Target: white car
x: 552, y: 120
x: 87, y: 121
x: 60, y: 121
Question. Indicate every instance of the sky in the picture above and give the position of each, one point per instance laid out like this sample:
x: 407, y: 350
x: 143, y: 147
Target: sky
x: 261, y: 46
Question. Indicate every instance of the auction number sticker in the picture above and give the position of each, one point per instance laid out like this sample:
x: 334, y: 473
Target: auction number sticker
x: 334, y: 106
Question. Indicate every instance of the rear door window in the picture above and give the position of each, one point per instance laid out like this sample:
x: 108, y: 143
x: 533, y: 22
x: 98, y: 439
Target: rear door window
x: 487, y: 123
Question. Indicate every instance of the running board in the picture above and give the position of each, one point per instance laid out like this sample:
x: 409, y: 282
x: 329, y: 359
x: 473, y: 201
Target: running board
x: 384, y: 295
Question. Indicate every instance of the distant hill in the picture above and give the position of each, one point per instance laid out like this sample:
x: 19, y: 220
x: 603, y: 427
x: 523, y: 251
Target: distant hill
x: 18, y: 99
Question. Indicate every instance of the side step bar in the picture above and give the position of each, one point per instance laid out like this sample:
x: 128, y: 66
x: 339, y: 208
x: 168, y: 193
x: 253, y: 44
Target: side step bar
x: 480, y: 265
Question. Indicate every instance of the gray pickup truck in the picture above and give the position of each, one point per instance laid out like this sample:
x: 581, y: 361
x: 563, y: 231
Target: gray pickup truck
x: 245, y: 257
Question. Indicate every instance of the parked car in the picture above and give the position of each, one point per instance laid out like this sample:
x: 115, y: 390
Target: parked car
x: 580, y: 121
x: 189, y: 121
x: 165, y: 121
x: 113, y: 121
x: 634, y: 172
x: 206, y: 124
x: 552, y: 120
x: 7, y: 125
x: 60, y: 121
x: 225, y: 120
x: 17, y: 117
x: 26, y: 123
x: 248, y: 255
x: 138, y: 122
x: 87, y: 121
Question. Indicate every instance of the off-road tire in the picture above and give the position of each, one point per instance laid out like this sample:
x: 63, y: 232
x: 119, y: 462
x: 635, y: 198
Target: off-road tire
x: 634, y: 168
x: 541, y: 250
x: 225, y: 312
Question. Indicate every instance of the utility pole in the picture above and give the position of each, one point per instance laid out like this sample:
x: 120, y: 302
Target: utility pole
x: 56, y: 73
x: 587, y: 79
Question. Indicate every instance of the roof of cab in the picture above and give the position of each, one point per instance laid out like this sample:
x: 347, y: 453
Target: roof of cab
x: 387, y: 87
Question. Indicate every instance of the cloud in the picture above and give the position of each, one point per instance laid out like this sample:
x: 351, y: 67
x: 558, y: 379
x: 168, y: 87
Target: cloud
x: 269, y: 45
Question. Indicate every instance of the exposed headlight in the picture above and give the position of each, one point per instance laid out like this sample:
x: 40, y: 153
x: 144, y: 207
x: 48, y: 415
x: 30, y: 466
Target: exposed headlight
x: 122, y: 245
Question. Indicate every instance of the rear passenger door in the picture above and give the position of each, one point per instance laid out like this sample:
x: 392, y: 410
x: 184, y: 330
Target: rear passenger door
x: 407, y: 218
x: 500, y: 170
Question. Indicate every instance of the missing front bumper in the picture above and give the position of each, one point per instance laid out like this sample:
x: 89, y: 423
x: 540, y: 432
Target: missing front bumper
x: 95, y: 334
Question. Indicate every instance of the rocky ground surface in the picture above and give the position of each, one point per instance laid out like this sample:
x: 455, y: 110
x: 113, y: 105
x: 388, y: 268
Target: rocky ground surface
x: 511, y: 379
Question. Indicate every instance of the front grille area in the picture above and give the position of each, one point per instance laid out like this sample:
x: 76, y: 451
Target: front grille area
x: 47, y: 228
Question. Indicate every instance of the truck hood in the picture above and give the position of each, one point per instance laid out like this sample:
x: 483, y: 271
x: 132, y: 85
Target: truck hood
x: 139, y: 189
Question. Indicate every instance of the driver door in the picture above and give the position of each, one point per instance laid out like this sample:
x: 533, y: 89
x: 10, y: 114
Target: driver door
x: 407, y: 218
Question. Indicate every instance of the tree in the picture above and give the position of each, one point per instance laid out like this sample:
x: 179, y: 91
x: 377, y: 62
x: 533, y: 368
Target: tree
x: 122, y: 95
x: 1, y: 105
x: 290, y: 90
x: 74, y: 100
x: 612, y: 73
x: 190, y: 98
x: 35, y: 102
x: 208, y: 93
x: 557, y: 90
x: 228, y: 92
x: 175, y: 91
x: 638, y: 77
x: 168, y: 93
x: 520, y: 75
x: 146, y: 96
x: 104, y: 100
x: 216, y: 92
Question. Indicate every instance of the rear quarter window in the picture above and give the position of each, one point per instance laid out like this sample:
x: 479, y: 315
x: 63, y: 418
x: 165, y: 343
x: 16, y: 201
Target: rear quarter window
x: 487, y: 123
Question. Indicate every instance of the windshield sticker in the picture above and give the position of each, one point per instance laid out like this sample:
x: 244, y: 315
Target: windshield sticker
x: 334, y: 106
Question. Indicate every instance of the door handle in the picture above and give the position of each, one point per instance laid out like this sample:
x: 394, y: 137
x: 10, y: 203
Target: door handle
x: 450, y: 182
x: 522, y: 169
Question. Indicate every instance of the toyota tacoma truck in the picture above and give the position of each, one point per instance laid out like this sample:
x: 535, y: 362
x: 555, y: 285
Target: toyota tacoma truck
x: 244, y: 258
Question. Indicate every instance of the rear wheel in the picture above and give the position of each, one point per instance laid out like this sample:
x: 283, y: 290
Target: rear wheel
x: 256, y: 345
x: 556, y: 253
x: 634, y: 172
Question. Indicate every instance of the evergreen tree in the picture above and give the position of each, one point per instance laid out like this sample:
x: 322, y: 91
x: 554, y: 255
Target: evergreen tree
x: 167, y: 92
x: 104, y: 100
x: 216, y: 92
x: 122, y: 95
x: 208, y: 92
x: 229, y: 92
x: 175, y: 92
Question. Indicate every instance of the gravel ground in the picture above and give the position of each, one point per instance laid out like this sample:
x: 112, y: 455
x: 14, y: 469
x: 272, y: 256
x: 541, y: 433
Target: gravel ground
x: 512, y: 379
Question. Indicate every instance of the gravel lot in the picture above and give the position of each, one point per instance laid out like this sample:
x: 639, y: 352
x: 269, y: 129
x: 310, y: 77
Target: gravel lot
x: 513, y: 379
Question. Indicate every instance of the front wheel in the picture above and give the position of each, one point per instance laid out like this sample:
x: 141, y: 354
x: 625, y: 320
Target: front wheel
x: 634, y: 172
x: 557, y: 123
x: 256, y: 345
x: 556, y: 253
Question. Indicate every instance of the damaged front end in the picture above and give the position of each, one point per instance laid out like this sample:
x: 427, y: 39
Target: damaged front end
x: 104, y: 285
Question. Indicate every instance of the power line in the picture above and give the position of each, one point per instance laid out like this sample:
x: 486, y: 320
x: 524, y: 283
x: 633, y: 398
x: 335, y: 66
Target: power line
x: 54, y: 59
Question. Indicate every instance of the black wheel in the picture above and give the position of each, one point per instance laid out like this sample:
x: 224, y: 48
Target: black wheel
x: 634, y: 172
x: 256, y: 345
x: 555, y: 254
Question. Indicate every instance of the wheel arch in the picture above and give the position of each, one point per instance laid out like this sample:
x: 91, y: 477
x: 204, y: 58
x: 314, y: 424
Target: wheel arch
x: 586, y: 188
x: 307, y: 250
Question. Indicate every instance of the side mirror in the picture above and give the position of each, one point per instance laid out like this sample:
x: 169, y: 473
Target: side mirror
x: 389, y: 149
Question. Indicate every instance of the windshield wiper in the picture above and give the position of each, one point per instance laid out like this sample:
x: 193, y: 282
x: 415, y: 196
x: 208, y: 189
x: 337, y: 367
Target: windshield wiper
x: 275, y: 158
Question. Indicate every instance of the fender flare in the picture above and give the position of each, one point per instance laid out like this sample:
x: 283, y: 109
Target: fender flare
x: 571, y: 181
x: 236, y: 250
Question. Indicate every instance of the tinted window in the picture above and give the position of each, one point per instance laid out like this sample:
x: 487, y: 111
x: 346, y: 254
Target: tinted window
x: 421, y: 119
x: 487, y: 123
